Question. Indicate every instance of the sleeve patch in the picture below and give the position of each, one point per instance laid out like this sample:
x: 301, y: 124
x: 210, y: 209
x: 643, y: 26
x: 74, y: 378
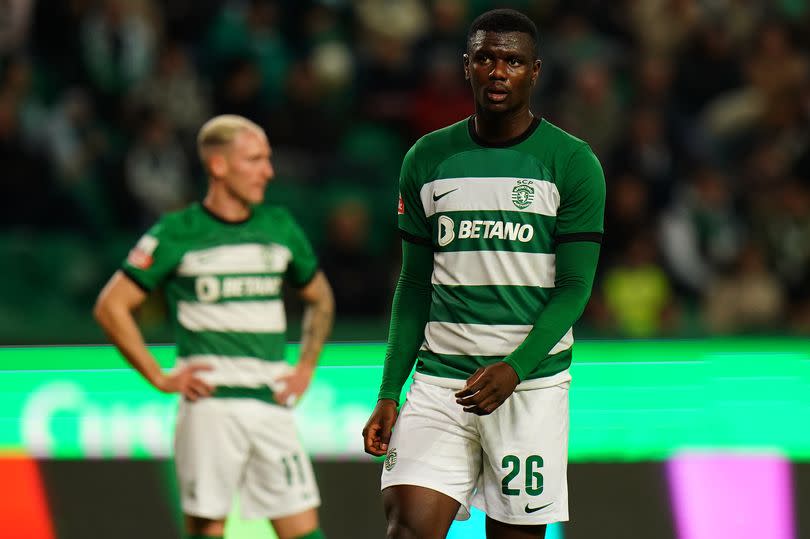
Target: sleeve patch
x: 401, y: 206
x: 141, y: 255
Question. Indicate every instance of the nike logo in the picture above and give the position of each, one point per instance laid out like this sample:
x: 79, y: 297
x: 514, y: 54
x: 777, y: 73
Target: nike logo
x: 437, y: 197
x: 535, y: 509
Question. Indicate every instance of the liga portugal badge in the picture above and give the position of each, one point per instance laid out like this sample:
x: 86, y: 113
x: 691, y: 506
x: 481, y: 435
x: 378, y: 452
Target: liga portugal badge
x: 400, y: 206
x: 141, y: 255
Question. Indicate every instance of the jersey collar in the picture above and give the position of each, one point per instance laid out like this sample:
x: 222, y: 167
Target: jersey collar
x: 219, y: 219
x: 505, y: 144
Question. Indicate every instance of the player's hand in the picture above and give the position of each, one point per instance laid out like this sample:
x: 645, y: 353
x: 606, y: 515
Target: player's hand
x: 377, y: 432
x: 294, y: 384
x: 186, y: 382
x: 488, y: 388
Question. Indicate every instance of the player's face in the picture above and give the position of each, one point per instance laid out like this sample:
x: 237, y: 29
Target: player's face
x: 248, y: 167
x: 502, y: 70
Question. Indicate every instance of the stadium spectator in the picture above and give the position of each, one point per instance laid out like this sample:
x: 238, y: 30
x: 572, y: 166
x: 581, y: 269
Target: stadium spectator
x: 785, y: 231
x: 240, y: 90
x: 358, y: 277
x: 648, y: 151
x: 746, y: 299
x: 306, y: 105
x: 156, y: 171
x: 26, y: 175
x: 637, y: 297
x: 249, y: 33
x: 592, y: 109
x: 700, y: 232
x: 175, y: 91
x: 14, y: 24
x: 442, y: 99
x: 707, y: 68
x: 117, y: 48
x: 628, y: 211
x: 664, y: 26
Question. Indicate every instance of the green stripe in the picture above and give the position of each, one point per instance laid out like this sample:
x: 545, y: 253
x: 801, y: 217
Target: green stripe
x: 266, y: 346
x: 183, y: 288
x: 541, y: 242
x: 462, y: 367
x: 235, y: 392
x: 487, y: 304
x: 491, y: 162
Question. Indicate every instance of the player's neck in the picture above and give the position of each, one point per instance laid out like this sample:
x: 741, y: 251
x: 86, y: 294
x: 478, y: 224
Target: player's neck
x: 226, y: 207
x: 502, y: 127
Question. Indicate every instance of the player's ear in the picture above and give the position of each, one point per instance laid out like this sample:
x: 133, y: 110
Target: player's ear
x: 217, y: 164
x: 466, y: 66
x: 538, y: 64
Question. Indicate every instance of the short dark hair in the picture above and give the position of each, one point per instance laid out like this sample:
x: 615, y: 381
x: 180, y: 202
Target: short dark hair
x: 502, y: 21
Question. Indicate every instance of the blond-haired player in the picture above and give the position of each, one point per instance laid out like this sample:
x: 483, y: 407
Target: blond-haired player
x: 222, y: 264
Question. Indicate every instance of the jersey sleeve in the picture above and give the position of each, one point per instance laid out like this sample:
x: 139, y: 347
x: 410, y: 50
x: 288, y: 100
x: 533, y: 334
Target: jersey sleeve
x: 582, y: 199
x: 154, y: 257
x: 303, y: 262
x: 412, y: 222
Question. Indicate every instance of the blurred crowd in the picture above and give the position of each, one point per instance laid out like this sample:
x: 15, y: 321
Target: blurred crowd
x: 699, y: 111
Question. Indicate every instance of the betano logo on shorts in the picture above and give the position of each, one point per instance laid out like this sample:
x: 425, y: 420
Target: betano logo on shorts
x: 210, y: 288
x: 480, y: 229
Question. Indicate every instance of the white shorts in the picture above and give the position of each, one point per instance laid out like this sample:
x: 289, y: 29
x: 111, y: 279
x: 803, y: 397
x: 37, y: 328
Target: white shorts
x: 511, y: 464
x: 230, y: 446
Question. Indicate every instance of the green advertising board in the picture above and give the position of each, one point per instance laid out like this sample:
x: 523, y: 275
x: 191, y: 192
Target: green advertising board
x: 630, y: 400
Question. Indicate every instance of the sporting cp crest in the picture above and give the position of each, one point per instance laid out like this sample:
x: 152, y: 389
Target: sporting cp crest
x: 391, y: 459
x: 523, y: 194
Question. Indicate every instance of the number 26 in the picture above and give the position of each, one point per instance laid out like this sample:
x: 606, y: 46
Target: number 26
x: 534, y: 479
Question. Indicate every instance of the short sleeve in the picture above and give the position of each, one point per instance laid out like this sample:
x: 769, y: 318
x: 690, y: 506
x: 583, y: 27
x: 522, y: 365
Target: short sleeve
x: 303, y: 262
x: 153, y: 258
x: 411, y: 213
x: 581, y: 214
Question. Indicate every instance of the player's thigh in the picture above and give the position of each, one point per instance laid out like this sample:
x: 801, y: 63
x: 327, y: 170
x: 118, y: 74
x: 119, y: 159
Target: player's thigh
x: 297, y: 525
x: 204, y: 526
x: 211, y: 449
x: 434, y: 445
x: 279, y: 480
x: 415, y: 512
x: 525, y: 441
x: 502, y: 530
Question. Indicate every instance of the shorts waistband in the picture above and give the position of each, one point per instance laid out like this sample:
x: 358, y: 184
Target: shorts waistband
x: 535, y: 383
x: 233, y: 392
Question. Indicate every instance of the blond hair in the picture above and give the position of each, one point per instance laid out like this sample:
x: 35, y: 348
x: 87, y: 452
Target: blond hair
x: 220, y: 131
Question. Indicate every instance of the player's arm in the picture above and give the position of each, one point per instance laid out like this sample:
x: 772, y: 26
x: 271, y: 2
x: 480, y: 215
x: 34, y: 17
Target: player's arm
x: 409, y: 316
x: 411, y: 304
x: 319, y: 314
x: 114, y: 312
x: 576, y: 268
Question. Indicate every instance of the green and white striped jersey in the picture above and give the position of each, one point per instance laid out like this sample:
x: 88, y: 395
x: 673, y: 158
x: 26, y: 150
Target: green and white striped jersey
x: 223, y: 282
x: 493, y: 215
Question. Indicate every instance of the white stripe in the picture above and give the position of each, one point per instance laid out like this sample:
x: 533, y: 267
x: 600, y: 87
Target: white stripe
x: 237, y: 371
x: 239, y: 258
x: 487, y: 194
x: 479, y: 268
x: 243, y: 316
x: 565, y: 343
x: 482, y: 339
